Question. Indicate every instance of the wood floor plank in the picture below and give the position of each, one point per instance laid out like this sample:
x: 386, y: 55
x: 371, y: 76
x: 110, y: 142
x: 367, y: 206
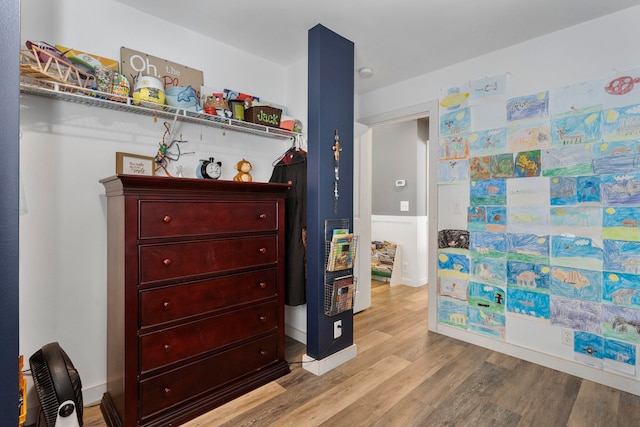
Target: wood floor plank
x: 594, y: 406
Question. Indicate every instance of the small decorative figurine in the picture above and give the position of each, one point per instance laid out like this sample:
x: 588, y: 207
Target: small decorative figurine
x: 243, y: 174
x: 209, y: 169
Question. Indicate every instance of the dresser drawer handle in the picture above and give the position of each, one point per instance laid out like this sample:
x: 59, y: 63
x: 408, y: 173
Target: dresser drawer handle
x: 166, y: 261
x: 167, y: 391
x: 263, y: 285
x: 263, y: 353
x: 167, y: 219
x: 166, y: 305
x: 166, y: 348
x: 263, y: 250
x: 262, y: 216
x: 263, y: 318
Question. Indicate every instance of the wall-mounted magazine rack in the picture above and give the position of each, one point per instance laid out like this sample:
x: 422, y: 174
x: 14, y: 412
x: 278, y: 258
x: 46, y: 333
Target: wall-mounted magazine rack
x: 340, y: 255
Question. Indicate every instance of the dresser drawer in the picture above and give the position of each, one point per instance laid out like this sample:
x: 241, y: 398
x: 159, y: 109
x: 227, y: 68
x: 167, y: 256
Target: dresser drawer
x: 175, y: 302
x: 189, y: 259
x: 173, y: 344
x: 189, y: 381
x: 173, y: 219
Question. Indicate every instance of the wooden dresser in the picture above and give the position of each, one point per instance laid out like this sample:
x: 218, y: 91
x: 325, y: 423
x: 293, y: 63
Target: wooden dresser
x: 195, y: 300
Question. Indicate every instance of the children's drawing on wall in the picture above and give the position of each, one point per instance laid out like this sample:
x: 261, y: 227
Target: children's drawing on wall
x: 488, y: 142
x: 569, y: 160
x: 621, y: 223
x: 489, y: 270
x: 453, y: 262
x: 480, y: 168
x: 454, y: 239
x: 487, y: 245
x: 501, y: 165
x: 535, y: 106
x: 571, y: 129
x: 621, y: 289
x: 487, y: 218
x: 455, y: 122
x: 621, y: 323
x: 620, y: 356
x: 527, y: 164
x: 528, y: 303
x: 453, y: 171
x: 528, y: 136
x: 488, y: 192
x: 453, y: 287
x: 528, y: 276
x: 454, y: 98
x: 580, y: 98
x: 528, y: 248
x: 453, y: 312
x: 621, y: 190
x: 486, y: 297
x: 621, y: 123
x: 583, y: 221
x: 621, y: 256
x: 616, y: 157
x: 564, y: 191
x: 620, y: 89
x: 575, y: 314
x: 528, y: 219
x: 532, y: 191
x: 487, y: 323
x: 577, y: 251
x: 487, y: 89
x: 588, y: 190
x: 575, y: 283
x: 588, y: 348
x: 454, y: 147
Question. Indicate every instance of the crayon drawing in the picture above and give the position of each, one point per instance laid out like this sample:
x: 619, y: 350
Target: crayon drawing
x: 621, y: 223
x: 577, y: 220
x: 535, y: 106
x: 620, y: 356
x: 452, y: 262
x: 569, y: 160
x: 452, y: 238
x: 483, y: 90
x: 452, y: 287
x: 575, y: 314
x: 571, y: 129
x: 528, y: 303
x: 528, y: 191
x: 577, y: 251
x: 487, y: 245
x: 588, y: 348
x: 453, y: 312
x: 487, y: 323
x: 619, y: 89
x: 588, y: 190
x: 621, y: 123
x: 501, y: 165
x: 488, y: 192
x: 528, y: 219
x: 528, y: 248
x: 621, y: 289
x: 486, y: 297
x: 488, y: 142
x: 621, y: 256
x: 455, y: 122
x: 576, y: 98
x: 528, y: 276
x: 621, y: 323
x: 454, y: 98
x: 527, y: 164
x: 454, y: 147
x: 480, y: 168
x: 616, y: 157
x: 453, y: 171
x: 489, y: 270
x: 616, y: 148
x: 585, y: 285
x: 528, y: 136
x: 620, y: 190
x: 487, y: 218
x: 563, y: 191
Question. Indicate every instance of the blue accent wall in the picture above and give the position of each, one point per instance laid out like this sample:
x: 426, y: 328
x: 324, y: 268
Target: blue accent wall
x: 9, y: 188
x: 330, y: 98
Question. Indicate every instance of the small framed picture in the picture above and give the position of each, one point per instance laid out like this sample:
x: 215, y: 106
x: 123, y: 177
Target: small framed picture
x: 134, y: 164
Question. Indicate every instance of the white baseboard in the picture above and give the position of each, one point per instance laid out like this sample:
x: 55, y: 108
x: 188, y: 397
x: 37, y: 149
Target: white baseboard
x: 320, y: 367
x: 295, y: 333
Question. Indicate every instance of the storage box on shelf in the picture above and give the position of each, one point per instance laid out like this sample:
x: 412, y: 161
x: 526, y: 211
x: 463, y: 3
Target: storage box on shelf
x: 263, y: 115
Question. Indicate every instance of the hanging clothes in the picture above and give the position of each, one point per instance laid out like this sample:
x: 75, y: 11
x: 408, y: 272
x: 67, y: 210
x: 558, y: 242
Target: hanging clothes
x: 292, y: 169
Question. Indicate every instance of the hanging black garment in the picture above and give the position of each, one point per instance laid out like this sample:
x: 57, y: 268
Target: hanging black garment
x: 292, y: 168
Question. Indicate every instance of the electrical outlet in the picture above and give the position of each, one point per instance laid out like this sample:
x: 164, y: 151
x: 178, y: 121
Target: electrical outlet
x: 405, y: 266
x: 566, y: 336
x: 404, y: 205
x: 337, y: 329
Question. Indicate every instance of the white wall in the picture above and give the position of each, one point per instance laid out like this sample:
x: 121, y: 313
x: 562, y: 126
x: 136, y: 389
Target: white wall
x: 581, y: 53
x: 66, y: 148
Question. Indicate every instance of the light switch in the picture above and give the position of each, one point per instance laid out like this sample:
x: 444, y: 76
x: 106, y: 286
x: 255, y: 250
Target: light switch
x: 404, y: 206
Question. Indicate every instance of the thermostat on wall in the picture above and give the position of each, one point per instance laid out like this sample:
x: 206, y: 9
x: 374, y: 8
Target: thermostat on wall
x: 400, y: 182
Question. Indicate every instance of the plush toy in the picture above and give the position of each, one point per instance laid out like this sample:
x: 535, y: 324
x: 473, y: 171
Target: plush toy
x: 243, y: 174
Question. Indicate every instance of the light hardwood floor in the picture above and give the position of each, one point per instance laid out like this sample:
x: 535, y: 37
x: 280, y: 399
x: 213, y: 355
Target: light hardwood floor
x: 405, y: 375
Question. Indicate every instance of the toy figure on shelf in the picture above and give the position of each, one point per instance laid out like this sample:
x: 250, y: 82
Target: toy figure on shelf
x: 164, y: 156
x: 243, y: 167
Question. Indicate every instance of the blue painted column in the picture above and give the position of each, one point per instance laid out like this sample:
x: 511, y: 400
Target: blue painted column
x: 330, y: 99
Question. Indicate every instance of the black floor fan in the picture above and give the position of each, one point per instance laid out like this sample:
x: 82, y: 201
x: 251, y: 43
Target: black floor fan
x: 58, y: 387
